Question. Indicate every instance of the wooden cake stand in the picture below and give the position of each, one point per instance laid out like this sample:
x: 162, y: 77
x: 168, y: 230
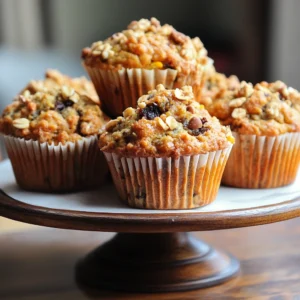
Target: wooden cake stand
x: 153, y: 251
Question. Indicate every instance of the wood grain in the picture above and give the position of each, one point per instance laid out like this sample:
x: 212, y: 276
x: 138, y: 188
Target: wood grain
x: 151, y: 223
x: 39, y: 264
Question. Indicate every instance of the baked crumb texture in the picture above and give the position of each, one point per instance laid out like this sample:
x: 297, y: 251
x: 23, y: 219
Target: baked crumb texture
x: 148, y: 45
x: 267, y: 109
x: 218, y: 86
x: 54, y: 80
x: 55, y: 110
x: 166, y: 123
x: 130, y: 63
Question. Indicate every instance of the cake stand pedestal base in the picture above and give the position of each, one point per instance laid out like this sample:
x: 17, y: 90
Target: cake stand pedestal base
x: 154, y: 262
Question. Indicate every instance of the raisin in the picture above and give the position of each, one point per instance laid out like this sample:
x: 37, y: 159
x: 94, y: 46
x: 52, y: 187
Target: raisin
x: 150, y: 112
x: 204, y: 120
x: 199, y: 131
x: 168, y: 66
x: 59, y: 105
x: 68, y: 103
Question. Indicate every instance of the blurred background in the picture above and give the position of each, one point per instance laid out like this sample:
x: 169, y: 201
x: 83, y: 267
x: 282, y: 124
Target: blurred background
x: 254, y: 39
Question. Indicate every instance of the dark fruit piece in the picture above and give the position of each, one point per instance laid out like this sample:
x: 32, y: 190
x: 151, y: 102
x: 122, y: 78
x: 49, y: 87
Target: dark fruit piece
x: 150, y: 112
x: 59, y: 105
x: 198, y: 131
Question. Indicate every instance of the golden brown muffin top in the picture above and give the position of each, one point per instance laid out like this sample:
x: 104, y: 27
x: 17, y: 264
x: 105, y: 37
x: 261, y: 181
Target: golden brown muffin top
x: 166, y: 123
x: 146, y: 44
x: 217, y: 86
x: 55, y: 80
x: 267, y: 109
x: 57, y: 115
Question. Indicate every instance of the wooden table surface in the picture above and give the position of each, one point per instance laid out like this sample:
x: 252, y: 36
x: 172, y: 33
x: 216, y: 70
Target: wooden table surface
x: 38, y: 263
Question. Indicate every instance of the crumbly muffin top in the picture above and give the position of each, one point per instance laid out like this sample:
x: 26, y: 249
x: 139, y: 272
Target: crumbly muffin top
x: 217, y: 86
x: 146, y: 44
x: 267, y: 109
x: 167, y: 123
x: 55, y: 80
x: 54, y: 116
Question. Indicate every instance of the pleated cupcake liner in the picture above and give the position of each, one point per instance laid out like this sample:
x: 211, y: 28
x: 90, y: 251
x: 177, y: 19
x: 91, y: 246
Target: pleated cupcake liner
x: 263, y: 162
x: 168, y: 183
x: 119, y: 89
x: 57, y: 168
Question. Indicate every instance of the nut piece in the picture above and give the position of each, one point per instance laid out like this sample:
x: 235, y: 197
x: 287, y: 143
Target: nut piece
x: 194, y: 123
x: 180, y: 96
x: 272, y: 110
x: 67, y: 92
x: 162, y: 124
x: 128, y: 112
x: 74, y: 98
x: 237, y: 102
x: 172, y: 123
x: 26, y: 93
x: 21, y: 123
x: 160, y: 87
x: 111, y: 124
x: 239, y: 113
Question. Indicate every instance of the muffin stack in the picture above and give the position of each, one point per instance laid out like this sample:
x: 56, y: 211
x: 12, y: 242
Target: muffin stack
x: 168, y: 143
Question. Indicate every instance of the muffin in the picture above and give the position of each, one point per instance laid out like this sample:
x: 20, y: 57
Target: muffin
x: 216, y: 86
x: 54, y: 79
x: 266, y: 127
x: 130, y: 63
x: 168, y: 153
x: 51, y: 135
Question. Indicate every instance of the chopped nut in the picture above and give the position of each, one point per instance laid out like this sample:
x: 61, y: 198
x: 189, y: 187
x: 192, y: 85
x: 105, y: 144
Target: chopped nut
x: 160, y: 87
x: 23, y: 99
x: 237, y: 102
x: 246, y: 89
x: 67, y: 92
x: 172, y: 123
x: 141, y: 104
x: 128, y: 112
x: 26, y: 93
x: 195, y: 123
x: 111, y: 124
x: 162, y: 124
x: 272, y: 110
x: 21, y: 123
x: 74, y: 98
x: 239, y: 113
x: 180, y: 96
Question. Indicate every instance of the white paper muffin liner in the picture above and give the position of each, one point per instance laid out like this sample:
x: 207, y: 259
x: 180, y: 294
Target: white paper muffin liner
x: 119, y: 89
x: 56, y: 168
x: 168, y: 183
x: 263, y: 162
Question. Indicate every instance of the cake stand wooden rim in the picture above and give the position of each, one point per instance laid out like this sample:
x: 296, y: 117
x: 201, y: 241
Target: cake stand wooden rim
x: 143, y: 223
